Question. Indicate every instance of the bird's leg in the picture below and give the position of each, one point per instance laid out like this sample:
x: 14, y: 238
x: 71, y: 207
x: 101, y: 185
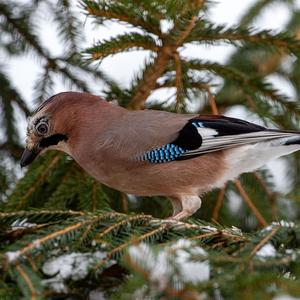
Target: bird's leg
x: 176, y: 204
x: 190, y: 204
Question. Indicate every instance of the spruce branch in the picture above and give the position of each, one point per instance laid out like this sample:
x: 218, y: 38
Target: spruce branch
x: 167, y: 51
x: 179, y: 84
x: 121, y: 13
x: 218, y: 205
x: 21, y: 29
x: 250, y: 203
x: 264, y: 241
x: 250, y: 85
x: 69, y: 28
x: 272, y: 196
x: 8, y: 92
x: 205, y: 32
x: 122, y: 43
x: 43, y: 86
x: 24, y: 199
x: 33, y: 294
x: 150, y: 75
x: 115, y: 233
x: 255, y: 10
x: 186, y: 31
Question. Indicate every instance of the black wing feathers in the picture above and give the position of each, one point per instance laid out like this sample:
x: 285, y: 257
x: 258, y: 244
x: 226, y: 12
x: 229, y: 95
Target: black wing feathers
x: 228, y: 126
x: 190, y: 139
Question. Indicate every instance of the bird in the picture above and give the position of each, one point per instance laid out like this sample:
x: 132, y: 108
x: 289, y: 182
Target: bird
x: 150, y: 152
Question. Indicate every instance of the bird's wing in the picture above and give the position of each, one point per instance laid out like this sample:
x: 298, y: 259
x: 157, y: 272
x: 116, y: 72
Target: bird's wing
x: 207, y: 134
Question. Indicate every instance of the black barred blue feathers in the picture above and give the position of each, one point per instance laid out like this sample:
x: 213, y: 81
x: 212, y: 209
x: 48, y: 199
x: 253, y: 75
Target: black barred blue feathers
x: 163, y: 154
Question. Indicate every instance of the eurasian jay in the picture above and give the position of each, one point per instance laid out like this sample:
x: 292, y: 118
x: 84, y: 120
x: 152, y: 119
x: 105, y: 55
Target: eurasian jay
x: 149, y: 152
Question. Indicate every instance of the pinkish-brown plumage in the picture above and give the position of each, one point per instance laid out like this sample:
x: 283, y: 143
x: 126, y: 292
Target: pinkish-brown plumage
x: 111, y: 144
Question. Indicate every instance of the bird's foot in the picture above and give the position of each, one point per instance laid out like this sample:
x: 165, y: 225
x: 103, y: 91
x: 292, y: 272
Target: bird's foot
x: 181, y: 215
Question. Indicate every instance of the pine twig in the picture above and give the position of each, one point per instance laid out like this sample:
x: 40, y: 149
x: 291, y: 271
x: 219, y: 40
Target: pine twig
x: 121, y: 223
x: 250, y: 203
x: 264, y: 241
x: 271, y: 195
x: 124, y: 201
x: 136, y: 240
x: 212, y: 102
x: 184, y: 34
x: 38, y: 182
x: 27, y: 280
x: 218, y: 205
x: 178, y: 80
x: 150, y: 77
x: 123, y: 18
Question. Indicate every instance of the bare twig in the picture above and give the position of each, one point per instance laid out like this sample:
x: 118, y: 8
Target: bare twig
x: 178, y: 80
x: 270, y: 194
x: 264, y: 241
x: 217, y: 207
x: 250, y: 203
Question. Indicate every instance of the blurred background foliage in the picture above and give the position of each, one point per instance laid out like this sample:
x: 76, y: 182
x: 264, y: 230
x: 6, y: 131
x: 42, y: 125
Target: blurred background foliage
x: 167, y: 80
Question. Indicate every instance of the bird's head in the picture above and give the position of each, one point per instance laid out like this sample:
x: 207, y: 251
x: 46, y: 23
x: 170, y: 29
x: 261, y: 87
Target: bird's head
x: 45, y: 129
x: 54, y: 123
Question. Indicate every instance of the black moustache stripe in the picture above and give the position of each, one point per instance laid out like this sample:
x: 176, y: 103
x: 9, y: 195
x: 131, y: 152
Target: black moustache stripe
x: 52, y: 140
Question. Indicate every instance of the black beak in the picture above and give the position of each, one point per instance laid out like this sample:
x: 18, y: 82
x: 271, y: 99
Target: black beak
x: 28, y: 157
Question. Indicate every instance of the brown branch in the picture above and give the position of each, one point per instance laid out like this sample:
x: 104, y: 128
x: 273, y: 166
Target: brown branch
x: 33, y: 264
x: 270, y: 194
x: 205, y: 235
x: 184, y: 34
x: 151, y: 74
x: 124, y: 201
x: 211, y: 97
x: 263, y: 183
x: 217, y: 207
x: 27, y: 280
x: 159, y: 65
x: 251, y: 103
x: 38, y: 242
x: 250, y: 203
x: 178, y: 80
x: 212, y: 102
x: 264, y: 241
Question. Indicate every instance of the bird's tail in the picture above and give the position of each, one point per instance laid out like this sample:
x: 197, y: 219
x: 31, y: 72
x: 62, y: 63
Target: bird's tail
x: 249, y: 157
x: 293, y: 141
x: 290, y: 138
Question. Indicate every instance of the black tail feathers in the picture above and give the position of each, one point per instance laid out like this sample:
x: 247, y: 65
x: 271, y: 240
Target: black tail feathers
x: 294, y: 141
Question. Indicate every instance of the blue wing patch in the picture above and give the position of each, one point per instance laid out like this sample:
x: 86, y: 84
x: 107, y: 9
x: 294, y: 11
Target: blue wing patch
x: 163, y: 154
x: 188, y: 139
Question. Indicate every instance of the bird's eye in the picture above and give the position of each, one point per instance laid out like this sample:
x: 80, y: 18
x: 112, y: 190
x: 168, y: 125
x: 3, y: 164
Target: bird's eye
x: 42, y: 128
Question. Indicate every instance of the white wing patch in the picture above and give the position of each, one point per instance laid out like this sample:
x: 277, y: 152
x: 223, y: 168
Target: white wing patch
x: 207, y: 132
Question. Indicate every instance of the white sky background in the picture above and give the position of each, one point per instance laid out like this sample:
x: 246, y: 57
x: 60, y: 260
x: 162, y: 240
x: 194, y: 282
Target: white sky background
x: 122, y: 67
